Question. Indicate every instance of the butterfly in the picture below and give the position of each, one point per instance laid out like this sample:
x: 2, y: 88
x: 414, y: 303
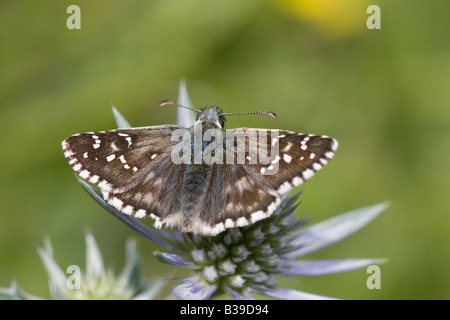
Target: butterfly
x: 195, y: 184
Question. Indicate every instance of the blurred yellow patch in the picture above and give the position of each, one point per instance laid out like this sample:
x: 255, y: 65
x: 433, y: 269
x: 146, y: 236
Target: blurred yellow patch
x: 339, y: 18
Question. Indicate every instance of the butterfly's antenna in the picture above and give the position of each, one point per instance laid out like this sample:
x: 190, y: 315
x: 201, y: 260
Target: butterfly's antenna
x: 269, y: 113
x: 170, y: 102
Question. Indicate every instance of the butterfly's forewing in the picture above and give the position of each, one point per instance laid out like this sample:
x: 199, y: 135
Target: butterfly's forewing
x: 118, y: 160
x: 299, y: 157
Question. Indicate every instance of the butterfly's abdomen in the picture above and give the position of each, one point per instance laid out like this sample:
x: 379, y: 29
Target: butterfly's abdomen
x: 195, y: 177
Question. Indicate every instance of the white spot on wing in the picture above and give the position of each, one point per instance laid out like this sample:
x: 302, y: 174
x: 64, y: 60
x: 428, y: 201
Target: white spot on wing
x: 287, y: 158
x: 241, y: 222
x: 218, y: 228
x: 114, y: 147
x: 317, y: 166
x: 274, y: 141
x: 258, y: 215
x: 116, y: 203
x: 305, y: 140
x: 129, y: 141
x: 288, y: 147
x: 141, y: 213
x: 104, y: 185
x: 128, y: 210
x: 84, y: 174
x: 297, y: 181
x: 157, y: 224
x: 285, y: 187
x: 110, y: 157
x: 275, y: 161
x: 308, y: 174
x: 68, y: 153
x: 229, y: 223
x: 334, y: 145
x: 329, y: 154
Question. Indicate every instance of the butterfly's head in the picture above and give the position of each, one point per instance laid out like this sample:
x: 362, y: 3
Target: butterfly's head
x: 212, y: 115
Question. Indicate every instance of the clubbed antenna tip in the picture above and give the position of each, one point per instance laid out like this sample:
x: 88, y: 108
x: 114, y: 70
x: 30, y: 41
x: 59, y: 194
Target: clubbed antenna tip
x: 268, y: 113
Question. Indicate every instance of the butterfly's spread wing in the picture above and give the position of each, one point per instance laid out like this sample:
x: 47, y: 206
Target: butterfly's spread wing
x: 132, y: 167
x: 240, y: 194
x: 136, y: 174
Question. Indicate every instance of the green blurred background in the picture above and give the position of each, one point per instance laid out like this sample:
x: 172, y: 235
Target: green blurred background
x: 383, y: 94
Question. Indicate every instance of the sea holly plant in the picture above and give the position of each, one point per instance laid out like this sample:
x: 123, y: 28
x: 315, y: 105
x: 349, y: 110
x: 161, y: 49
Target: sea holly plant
x: 244, y: 262
x: 249, y: 260
x: 95, y: 282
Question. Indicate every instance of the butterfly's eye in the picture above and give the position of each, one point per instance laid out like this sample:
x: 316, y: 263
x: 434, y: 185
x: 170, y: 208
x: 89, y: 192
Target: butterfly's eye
x: 201, y: 116
x: 222, y: 121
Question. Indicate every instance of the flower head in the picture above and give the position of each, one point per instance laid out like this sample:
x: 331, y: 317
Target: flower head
x: 337, y: 19
x: 248, y: 260
x: 93, y: 283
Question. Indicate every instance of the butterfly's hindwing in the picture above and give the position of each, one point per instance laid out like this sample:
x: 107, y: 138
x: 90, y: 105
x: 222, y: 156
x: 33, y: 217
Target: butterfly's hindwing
x: 233, y: 197
x: 159, y: 195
